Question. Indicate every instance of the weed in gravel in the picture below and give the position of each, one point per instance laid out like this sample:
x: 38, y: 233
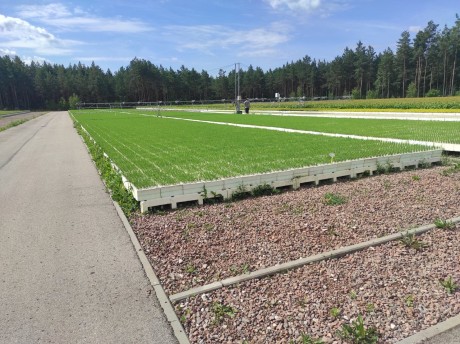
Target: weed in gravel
x: 416, y: 177
x: 240, y: 193
x: 208, y: 227
x: 409, y: 300
x: 334, y: 199
x: 222, y: 311
x: 370, y: 307
x: 454, y: 166
x: 243, y: 269
x: 410, y: 241
x: 444, y: 224
x: 450, y: 285
x: 264, y: 190
x: 358, y: 333
x: 387, y: 185
x: 190, y: 269
x: 335, y: 312
x: 307, y: 339
x: 424, y: 164
x: 353, y: 295
x: 385, y: 168
x: 331, y: 231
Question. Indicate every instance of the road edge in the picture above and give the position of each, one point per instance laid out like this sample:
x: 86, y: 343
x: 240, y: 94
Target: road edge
x: 163, y: 299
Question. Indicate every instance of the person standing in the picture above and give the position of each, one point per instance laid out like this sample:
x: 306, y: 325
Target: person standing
x: 247, y: 104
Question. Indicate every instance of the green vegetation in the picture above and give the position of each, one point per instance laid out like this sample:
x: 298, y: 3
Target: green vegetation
x: 307, y: 339
x: 334, y: 199
x: 431, y: 131
x: 335, y: 312
x: 410, y: 241
x: 222, y: 311
x: 450, y: 285
x: 112, y: 178
x: 153, y: 151
x: 444, y: 224
x: 358, y: 333
x: 13, y: 124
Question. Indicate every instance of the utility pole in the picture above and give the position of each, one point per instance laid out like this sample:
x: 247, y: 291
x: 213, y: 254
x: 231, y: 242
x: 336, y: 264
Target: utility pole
x: 237, y: 88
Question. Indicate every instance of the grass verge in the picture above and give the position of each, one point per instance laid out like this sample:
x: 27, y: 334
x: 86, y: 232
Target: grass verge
x: 112, y: 179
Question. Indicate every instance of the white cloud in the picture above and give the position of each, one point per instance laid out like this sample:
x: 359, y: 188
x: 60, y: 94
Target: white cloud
x: 295, y: 5
x: 5, y: 52
x: 46, y: 11
x: 17, y: 33
x: 60, y: 16
x: 415, y: 29
x: 209, y: 38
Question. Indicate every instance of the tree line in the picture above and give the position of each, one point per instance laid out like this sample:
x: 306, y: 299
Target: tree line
x: 426, y: 65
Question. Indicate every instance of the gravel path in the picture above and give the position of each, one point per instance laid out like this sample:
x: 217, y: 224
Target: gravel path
x: 196, y: 246
x: 396, y: 289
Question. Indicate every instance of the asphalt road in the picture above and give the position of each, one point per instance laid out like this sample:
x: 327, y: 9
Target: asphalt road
x: 68, y: 270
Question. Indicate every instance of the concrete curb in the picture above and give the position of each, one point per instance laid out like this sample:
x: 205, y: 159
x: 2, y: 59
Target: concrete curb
x: 301, y: 262
x: 168, y: 309
x: 432, y: 331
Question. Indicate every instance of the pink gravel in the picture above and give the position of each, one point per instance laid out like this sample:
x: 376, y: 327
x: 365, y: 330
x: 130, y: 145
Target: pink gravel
x: 196, y: 246
x: 396, y: 289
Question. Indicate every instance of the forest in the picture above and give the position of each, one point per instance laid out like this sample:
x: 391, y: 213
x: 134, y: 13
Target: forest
x: 423, y: 66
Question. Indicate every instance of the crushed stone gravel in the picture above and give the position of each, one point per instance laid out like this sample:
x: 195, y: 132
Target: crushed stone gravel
x: 396, y: 289
x: 199, y: 245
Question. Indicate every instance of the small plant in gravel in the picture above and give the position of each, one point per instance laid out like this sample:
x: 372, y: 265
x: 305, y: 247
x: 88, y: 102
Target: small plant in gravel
x: 264, y: 190
x: 370, y: 307
x: 222, y: 311
x: 416, y: 177
x: 208, y: 227
x: 450, y: 285
x: 410, y: 241
x: 409, y: 300
x: 334, y: 199
x: 353, y: 295
x: 335, y: 312
x: 307, y: 339
x: 454, y: 167
x: 358, y: 333
x: 240, y: 193
x: 424, y: 164
x: 190, y: 268
x: 331, y: 231
x: 444, y: 224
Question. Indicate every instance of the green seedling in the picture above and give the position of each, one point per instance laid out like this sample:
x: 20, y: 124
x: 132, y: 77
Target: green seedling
x: 450, y: 285
x: 444, y: 224
x: 222, y: 311
x: 334, y: 199
x: 410, y: 241
x: 358, y: 333
x: 335, y: 312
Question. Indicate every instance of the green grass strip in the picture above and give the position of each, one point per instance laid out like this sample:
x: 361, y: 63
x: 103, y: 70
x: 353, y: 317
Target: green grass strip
x: 431, y: 131
x: 155, y: 151
x: 13, y: 124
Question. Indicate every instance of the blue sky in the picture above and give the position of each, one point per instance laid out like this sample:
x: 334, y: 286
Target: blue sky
x: 208, y: 34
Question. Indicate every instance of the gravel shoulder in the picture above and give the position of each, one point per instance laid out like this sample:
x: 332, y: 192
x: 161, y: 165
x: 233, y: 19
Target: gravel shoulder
x: 200, y: 245
x: 4, y: 121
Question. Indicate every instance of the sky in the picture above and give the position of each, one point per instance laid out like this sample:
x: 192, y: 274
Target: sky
x: 208, y: 35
